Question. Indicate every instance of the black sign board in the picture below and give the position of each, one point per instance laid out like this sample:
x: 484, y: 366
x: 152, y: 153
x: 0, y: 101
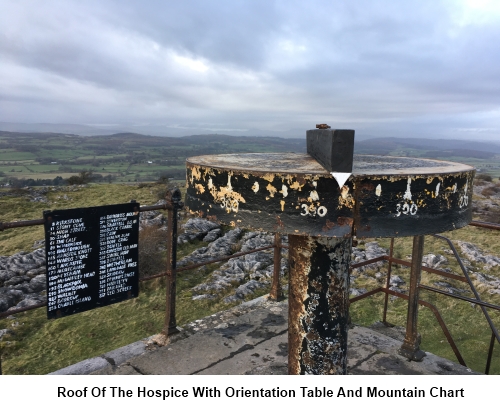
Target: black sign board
x: 92, y: 257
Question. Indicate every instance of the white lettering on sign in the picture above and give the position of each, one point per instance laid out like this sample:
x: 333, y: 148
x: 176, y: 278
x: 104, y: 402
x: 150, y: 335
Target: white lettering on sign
x: 71, y: 271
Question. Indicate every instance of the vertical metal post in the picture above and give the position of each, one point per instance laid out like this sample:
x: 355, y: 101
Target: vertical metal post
x: 318, y: 304
x: 170, y: 326
x: 411, y: 344
x: 490, y: 353
x: 388, y: 281
x: 276, y: 292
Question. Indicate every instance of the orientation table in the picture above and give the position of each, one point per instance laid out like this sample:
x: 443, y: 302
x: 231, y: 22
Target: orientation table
x: 292, y: 193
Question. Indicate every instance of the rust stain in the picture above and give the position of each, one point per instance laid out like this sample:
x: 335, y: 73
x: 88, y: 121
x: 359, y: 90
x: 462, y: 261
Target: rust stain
x: 367, y: 186
x: 279, y: 223
x: 329, y: 225
x: 341, y: 221
x: 298, y: 248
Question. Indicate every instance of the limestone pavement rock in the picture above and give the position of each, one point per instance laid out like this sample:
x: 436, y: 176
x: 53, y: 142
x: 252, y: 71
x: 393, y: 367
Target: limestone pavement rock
x: 22, y: 280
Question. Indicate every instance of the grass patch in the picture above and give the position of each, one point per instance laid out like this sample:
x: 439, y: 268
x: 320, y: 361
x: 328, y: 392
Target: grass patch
x: 21, y: 208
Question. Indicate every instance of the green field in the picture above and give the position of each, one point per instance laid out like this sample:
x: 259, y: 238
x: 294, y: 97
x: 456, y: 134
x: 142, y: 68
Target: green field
x: 127, y: 157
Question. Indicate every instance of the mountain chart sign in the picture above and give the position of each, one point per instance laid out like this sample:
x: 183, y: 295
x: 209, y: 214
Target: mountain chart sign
x: 92, y: 257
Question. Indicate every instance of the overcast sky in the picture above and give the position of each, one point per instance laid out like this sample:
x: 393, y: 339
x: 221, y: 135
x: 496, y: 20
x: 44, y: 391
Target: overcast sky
x: 384, y: 68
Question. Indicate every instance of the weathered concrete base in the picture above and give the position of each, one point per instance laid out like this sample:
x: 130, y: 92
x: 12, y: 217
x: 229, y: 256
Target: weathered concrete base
x: 252, y: 339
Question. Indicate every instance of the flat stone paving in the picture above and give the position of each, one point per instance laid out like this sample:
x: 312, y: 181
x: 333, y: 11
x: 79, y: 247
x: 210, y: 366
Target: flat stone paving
x: 252, y: 339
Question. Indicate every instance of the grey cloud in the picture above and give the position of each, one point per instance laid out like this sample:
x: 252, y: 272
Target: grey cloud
x: 376, y: 65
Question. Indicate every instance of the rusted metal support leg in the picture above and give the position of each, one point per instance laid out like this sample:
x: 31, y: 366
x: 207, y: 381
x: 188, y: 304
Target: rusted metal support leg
x: 170, y: 326
x: 318, y: 304
x: 387, y: 282
x: 276, y: 293
x: 411, y: 344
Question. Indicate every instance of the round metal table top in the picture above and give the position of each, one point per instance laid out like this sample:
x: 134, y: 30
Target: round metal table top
x: 302, y: 163
x: 292, y: 193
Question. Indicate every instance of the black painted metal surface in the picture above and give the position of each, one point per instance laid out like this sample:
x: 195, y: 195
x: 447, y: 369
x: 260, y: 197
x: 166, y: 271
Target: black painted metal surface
x: 332, y: 148
x: 292, y: 193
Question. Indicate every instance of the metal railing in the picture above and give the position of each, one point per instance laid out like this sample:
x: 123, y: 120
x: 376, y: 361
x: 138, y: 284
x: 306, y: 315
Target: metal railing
x: 411, y: 339
x: 172, y: 206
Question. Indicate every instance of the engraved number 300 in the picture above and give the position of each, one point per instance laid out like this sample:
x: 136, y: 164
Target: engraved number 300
x: 406, y: 209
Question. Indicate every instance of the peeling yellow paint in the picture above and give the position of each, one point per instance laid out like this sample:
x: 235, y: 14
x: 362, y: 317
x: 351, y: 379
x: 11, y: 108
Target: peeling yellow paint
x: 196, y: 173
x: 282, y: 202
x: 296, y: 186
x: 345, y: 198
x: 199, y: 188
x: 344, y: 192
x: 272, y: 190
x: 246, y: 176
x: 226, y: 196
x: 269, y: 177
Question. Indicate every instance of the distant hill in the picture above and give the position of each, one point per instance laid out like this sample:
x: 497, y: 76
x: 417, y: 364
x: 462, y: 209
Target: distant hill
x: 435, y: 147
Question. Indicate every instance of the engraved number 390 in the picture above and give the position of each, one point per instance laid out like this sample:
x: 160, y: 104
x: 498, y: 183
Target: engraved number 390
x: 321, y: 211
